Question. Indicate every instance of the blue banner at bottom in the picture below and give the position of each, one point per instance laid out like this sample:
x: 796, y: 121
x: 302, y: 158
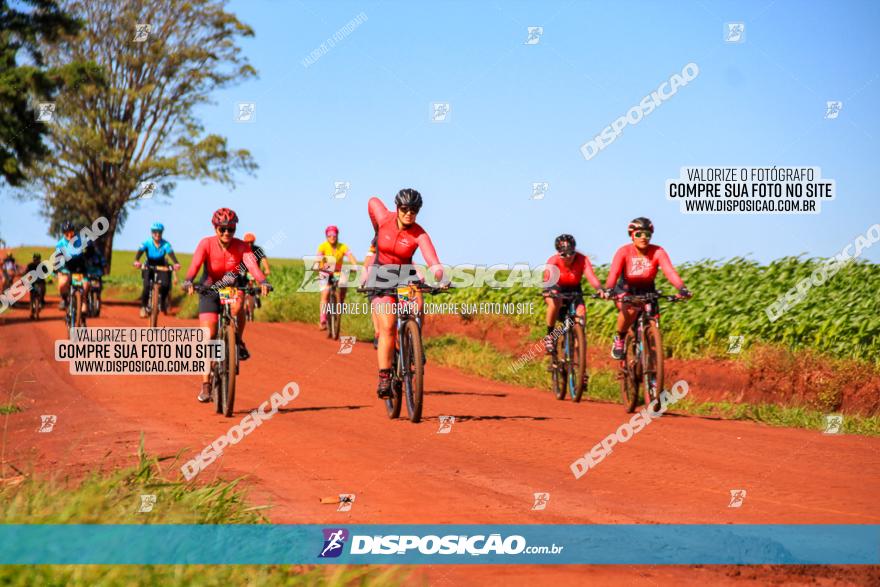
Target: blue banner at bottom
x: 618, y: 544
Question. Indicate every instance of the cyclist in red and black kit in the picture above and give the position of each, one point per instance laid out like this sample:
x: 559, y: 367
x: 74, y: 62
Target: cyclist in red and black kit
x: 224, y: 258
x: 572, y: 266
x: 397, y: 238
x: 633, y: 271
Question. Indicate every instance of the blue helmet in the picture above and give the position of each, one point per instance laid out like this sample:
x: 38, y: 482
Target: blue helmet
x: 157, y: 226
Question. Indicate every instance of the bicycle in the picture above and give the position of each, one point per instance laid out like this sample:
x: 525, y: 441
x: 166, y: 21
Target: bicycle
x: 251, y: 301
x: 155, y: 299
x: 224, y: 371
x: 408, y: 361
x: 75, y: 318
x: 570, y: 373
x: 642, y: 364
x: 334, y: 317
x: 93, y: 299
x: 37, y: 299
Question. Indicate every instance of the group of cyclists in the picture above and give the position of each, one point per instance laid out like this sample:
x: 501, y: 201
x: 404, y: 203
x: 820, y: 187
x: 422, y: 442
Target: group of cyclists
x: 228, y: 260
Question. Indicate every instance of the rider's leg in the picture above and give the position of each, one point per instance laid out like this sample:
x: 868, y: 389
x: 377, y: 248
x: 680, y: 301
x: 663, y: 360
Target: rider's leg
x: 387, y: 323
x: 64, y: 287
x: 145, y: 292
x: 625, y: 319
x: 164, y: 289
x: 240, y: 322
x: 552, y: 312
x: 207, y: 320
x: 325, y: 295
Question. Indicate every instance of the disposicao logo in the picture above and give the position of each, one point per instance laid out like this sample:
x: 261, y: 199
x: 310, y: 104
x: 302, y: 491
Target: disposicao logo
x: 334, y: 540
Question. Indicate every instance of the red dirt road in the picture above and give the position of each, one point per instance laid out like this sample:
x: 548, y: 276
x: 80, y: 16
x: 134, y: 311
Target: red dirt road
x: 506, y: 444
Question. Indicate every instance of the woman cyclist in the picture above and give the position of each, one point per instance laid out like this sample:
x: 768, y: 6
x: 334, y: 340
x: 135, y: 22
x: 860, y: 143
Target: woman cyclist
x: 397, y: 238
x: 156, y: 249
x: 331, y: 253
x: 224, y: 257
x: 572, y: 266
x: 635, y: 265
x: 72, y: 247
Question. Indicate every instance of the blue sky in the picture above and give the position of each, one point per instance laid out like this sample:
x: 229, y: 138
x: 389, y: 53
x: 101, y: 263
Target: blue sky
x: 519, y: 115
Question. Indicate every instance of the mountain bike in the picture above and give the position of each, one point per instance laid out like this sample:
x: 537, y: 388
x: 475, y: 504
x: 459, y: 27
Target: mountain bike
x: 155, y: 301
x: 93, y: 298
x: 642, y: 365
x: 334, y: 316
x: 251, y: 300
x: 224, y: 371
x: 569, y: 371
x: 74, y: 317
x: 408, y: 361
x: 37, y: 299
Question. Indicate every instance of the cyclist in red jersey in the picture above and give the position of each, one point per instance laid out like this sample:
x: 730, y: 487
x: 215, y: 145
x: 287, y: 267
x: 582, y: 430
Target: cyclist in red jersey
x: 633, y: 271
x: 572, y: 266
x: 224, y: 258
x: 397, y: 238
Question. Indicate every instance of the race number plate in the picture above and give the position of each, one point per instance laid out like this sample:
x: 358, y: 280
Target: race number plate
x: 227, y: 295
x: 77, y: 278
x: 404, y: 293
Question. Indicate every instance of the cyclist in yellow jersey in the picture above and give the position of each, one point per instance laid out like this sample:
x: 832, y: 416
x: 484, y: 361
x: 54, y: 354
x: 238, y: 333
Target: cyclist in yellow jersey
x: 331, y: 253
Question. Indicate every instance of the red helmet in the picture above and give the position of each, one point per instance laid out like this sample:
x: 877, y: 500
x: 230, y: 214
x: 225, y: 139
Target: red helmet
x: 332, y: 228
x: 640, y: 223
x: 224, y: 216
x: 249, y: 237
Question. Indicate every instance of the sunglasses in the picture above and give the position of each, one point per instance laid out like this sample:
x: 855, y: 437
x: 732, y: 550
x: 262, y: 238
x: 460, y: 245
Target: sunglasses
x: 226, y: 229
x: 642, y: 234
x: 408, y: 210
x: 566, y: 254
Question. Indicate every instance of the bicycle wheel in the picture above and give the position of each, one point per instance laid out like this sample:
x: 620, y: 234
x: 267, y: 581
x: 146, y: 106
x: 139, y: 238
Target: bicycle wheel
x: 96, y: 304
x: 629, y: 384
x: 228, y: 385
x: 332, y: 316
x: 652, y: 361
x: 154, y: 305
x: 392, y: 404
x: 80, y: 319
x: 557, y: 368
x: 413, y: 369
x: 577, y: 373
x: 249, y: 308
x: 217, y: 375
x: 35, y: 313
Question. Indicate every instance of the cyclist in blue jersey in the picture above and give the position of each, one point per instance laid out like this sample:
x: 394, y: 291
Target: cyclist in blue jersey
x: 71, y: 246
x: 156, y: 249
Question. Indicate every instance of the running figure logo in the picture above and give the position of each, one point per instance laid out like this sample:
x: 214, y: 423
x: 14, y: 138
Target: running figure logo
x: 340, y: 189
x: 534, y: 35
x: 345, y: 501
x: 146, y: 190
x: 735, y: 343
x: 832, y: 109
x: 734, y: 32
x: 47, y: 423
x: 45, y: 111
x: 346, y: 344
x: 446, y: 423
x: 246, y: 112
x: 833, y: 423
x: 141, y: 32
x: 737, y: 497
x: 440, y: 111
x: 334, y: 540
x: 539, y: 190
x: 147, y: 503
x: 541, y: 500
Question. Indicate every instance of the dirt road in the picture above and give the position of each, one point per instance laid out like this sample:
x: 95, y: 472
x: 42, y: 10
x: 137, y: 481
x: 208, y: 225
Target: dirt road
x: 506, y: 444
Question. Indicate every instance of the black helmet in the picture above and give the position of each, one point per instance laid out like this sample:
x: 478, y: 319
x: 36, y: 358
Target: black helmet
x: 67, y: 226
x: 565, y: 242
x: 640, y: 223
x: 37, y: 256
x: 408, y: 197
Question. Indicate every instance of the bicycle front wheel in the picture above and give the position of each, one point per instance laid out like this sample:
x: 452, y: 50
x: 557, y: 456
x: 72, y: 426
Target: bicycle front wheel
x: 652, y: 360
x: 577, y: 374
x: 333, y: 317
x: 154, y: 305
x: 413, y: 369
x: 557, y: 369
x: 629, y: 384
x: 392, y: 404
x: 231, y: 367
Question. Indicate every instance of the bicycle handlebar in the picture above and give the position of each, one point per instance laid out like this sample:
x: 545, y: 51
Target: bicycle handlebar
x: 421, y: 287
x: 210, y: 288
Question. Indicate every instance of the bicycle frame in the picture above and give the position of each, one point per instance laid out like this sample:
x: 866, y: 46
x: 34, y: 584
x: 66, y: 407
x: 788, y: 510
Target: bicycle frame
x: 575, y: 378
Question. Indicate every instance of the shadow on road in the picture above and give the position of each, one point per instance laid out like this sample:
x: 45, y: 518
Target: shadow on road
x: 483, y: 394
x: 310, y: 409
x: 497, y: 418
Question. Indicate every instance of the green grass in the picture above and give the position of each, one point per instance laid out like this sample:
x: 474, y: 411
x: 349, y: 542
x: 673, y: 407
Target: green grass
x: 9, y: 409
x: 482, y: 359
x: 113, y: 497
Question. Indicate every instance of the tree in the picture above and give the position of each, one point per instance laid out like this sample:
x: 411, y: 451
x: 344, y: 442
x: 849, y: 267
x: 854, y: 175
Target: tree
x: 22, y: 86
x: 139, y: 126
